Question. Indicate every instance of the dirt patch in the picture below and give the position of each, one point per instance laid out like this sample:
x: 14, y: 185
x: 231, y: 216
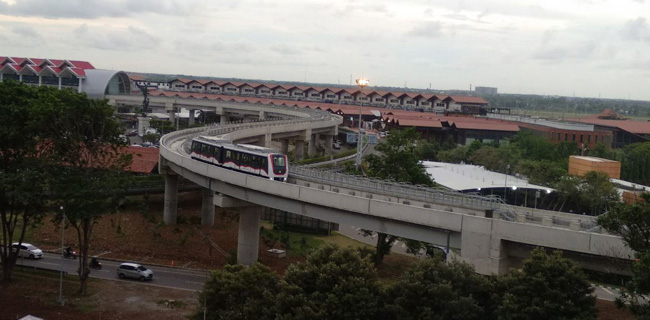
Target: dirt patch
x: 36, y: 293
x: 137, y: 233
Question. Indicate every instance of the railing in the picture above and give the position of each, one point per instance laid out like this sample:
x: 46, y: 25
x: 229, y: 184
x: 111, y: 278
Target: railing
x: 390, y: 188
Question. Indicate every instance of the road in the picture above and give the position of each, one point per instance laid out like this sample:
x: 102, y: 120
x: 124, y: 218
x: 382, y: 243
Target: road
x: 192, y: 280
x: 162, y: 276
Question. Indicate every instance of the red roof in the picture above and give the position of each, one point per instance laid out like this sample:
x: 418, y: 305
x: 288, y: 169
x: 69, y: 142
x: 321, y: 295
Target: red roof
x: 421, y: 123
x: 78, y: 72
x: 632, y: 126
x: 460, y: 99
x: 145, y: 160
x: 136, y: 77
x: 18, y: 60
x: 488, y: 126
x: 81, y: 64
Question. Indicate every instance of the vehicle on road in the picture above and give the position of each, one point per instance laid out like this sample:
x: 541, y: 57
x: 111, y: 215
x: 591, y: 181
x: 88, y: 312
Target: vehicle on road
x: 26, y: 250
x: 336, y: 145
x: 383, y: 134
x: 68, y: 253
x: 134, y: 271
x: 95, y: 264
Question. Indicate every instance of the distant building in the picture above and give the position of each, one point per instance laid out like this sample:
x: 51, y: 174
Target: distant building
x: 580, y: 165
x: 488, y: 91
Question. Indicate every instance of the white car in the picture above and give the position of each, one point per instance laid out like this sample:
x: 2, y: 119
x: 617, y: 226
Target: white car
x: 134, y: 271
x: 27, y: 250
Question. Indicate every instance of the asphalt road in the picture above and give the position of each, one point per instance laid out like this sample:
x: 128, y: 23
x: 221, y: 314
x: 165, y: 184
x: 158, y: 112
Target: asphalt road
x: 176, y: 278
x: 192, y: 280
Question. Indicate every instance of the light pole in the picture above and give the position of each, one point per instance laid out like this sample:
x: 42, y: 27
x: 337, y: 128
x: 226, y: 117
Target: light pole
x: 505, y: 184
x: 62, y: 257
x: 362, y: 83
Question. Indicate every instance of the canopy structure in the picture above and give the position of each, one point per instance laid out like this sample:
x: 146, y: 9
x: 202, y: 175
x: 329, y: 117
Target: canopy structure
x: 468, y: 178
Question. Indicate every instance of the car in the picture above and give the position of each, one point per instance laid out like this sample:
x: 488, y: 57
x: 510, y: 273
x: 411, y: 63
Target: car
x: 27, y: 250
x: 132, y: 133
x: 134, y: 271
x: 383, y: 134
x: 336, y: 145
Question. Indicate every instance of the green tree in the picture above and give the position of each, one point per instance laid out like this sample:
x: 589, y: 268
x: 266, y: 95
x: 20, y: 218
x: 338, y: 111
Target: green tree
x: 88, y: 180
x: 427, y: 150
x: 632, y: 223
x: 598, y: 192
x: 397, y: 159
x: 23, y: 167
x: 433, y: 289
x: 635, y: 165
x: 548, y: 286
x: 542, y: 172
x: 338, y: 283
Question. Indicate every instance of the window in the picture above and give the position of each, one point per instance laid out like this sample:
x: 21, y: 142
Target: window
x: 379, y: 99
x: 179, y: 86
x: 574, y: 137
x: 347, y: 97
x: 282, y: 92
x: 440, y: 104
x: 581, y: 138
x: 588, y: 138
x: 197, y: 87
x: 248, y: 90
x: 331, y: 96
x: 566, y: 137
x: 424, y: 103
x: 214, y: 88
x: 393, y: 101
x: 410, y: 102
x: 315, y: 95
x: 231, y: 89
x: 596, y: 138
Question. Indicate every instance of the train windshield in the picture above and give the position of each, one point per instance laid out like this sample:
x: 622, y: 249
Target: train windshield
x: 279, y: 162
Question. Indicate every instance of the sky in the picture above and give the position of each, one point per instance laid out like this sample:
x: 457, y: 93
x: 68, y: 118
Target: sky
x: 583, y: 48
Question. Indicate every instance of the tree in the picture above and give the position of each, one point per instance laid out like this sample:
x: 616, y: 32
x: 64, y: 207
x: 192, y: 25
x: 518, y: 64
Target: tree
x: 548, y: 286
x: 598, y: 192
x: 337, y: 283
x: 88, y: 180
x: 433, y: 289
x: 23, y: 168
x: 635, y: 165
x: 427, y: 150
x: 632, y: 223
x: 398, y: 162
x: 240, y: 293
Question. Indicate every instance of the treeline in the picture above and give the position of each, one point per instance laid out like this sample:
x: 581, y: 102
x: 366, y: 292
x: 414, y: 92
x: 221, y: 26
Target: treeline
x: 569, y: 104
x: 545, y: 163
x: 342, y: 284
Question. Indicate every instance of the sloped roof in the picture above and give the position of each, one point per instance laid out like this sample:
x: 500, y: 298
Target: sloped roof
x: 145, y: 160
x: 463, y: 99
x: 632, y: 126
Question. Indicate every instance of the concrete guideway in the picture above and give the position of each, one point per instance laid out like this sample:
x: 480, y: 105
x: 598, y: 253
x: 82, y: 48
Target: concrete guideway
x: 492, y: 239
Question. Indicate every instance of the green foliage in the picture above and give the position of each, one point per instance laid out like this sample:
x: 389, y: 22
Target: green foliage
x: 635, y: 165
x: 433, y: 289
x: 632, y: 223
x: 456, y: 155
x: 151, y: 137
x: 397, y: 160
x: 337, y: 283
x: 548, y: 286
x: 239, y: 292
x: 427, y: 150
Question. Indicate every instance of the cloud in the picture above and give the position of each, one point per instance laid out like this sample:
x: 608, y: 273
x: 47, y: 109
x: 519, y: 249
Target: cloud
x: 91, y: 9
x: 131, y: 39
x: 26, y: 32
x: 428, y: 30
x: 637, y: 30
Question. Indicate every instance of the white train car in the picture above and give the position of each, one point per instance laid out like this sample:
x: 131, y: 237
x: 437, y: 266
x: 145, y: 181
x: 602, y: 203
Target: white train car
x: 255, y: 160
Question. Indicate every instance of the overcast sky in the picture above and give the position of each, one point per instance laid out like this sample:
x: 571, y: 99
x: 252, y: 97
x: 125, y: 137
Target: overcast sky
x: 586, y: 48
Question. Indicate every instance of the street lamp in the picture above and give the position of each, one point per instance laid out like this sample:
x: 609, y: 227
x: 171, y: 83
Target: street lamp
x: 62, y: 252
x: 362, y: 83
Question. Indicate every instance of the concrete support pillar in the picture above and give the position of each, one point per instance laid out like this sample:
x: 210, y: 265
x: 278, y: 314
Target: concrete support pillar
x: 285, y: 146
x: 20, y: 78
x: 143, y: 125
x: 329, y: 141
x: 171, y: 199
x: 223, y: 118
x: 313, y: 142
x: 191, y: 118
x: 248, y: 239
x: 79, y: 87
x: 60, y: 83
x: 207, y: 208
x: 40, y: 79
x: 262, y: 115
x: 266, y: 141
x: 300, y: 149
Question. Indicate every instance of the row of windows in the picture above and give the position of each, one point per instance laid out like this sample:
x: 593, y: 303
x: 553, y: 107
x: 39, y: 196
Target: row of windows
x: 222, y: 155
x: 582, y: 140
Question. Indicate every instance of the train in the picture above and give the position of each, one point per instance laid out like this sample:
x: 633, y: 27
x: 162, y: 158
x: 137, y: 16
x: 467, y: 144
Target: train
x: 250, y: 159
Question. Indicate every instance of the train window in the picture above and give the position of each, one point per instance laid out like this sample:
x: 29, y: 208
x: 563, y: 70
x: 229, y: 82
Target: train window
x: 212, y: 151
x: 194, y: 145
x: 278, y: 161
x: 228, y: 155
x: 265, y: 164
x: 205, y: 150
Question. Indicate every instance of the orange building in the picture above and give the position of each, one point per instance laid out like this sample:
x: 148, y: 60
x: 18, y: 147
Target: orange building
x: 579, y: 165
